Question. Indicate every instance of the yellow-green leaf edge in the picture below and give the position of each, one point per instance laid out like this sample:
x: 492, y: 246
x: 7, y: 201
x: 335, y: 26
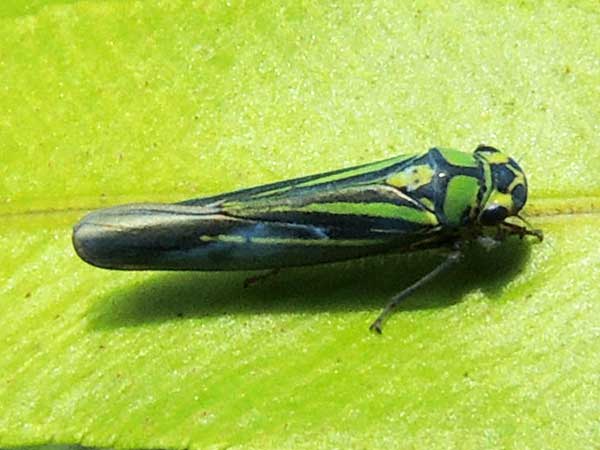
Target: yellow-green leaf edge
x: 106, y: 102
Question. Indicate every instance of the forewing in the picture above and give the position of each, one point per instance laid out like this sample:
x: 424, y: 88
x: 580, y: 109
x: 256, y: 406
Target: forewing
x: 303, y: 185
x: 356, y: 203
x: 334, y: 216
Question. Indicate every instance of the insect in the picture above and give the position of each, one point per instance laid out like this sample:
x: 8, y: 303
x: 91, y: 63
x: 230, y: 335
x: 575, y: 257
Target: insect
x: 438, y: 199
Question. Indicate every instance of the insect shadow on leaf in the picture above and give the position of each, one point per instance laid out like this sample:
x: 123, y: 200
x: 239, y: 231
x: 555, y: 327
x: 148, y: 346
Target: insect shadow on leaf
x: 361, y: 285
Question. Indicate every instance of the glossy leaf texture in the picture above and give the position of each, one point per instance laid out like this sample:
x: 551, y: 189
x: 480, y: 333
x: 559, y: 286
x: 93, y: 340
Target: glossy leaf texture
x: 108, y: 102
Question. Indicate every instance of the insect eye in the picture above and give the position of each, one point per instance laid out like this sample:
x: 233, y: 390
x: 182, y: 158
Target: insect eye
x: 519, y: 197
x: 493, y: 215
x: 503, y: 177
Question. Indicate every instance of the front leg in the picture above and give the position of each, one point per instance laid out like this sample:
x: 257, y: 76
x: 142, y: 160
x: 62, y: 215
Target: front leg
x: 507, y: 229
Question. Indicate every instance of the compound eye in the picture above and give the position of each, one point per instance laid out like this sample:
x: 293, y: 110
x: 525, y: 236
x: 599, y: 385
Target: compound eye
x: 493, y: 215
x: 519, y: 197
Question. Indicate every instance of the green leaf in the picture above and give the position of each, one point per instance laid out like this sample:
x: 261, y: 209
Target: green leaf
x: 106, y: 102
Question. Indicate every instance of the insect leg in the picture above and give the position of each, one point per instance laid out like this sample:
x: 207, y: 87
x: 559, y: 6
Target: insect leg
x: 452, y: 259
x: 511, y: 228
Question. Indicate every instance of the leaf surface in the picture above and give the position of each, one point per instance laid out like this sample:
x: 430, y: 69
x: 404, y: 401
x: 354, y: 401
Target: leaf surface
x: 107, y: 102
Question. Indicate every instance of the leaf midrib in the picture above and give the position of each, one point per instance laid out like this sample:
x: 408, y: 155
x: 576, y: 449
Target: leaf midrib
x: 536, y: 207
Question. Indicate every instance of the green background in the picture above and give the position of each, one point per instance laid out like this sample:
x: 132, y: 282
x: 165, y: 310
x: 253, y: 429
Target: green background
x: 107, y: 102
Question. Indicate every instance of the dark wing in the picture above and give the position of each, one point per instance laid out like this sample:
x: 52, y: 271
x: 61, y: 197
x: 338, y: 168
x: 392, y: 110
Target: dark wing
x: 333, y: 216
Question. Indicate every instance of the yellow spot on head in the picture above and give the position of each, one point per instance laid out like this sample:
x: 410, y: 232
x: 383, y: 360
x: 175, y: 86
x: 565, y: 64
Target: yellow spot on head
x: 498, y: 198
x: 519, y: 178
x: 495, y: 157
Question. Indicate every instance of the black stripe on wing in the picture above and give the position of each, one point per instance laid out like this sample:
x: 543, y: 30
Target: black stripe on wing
x: 363, y: 173
x: 354, y: 212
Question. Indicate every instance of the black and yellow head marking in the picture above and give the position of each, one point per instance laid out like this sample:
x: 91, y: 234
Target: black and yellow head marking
x: 506, y: 186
